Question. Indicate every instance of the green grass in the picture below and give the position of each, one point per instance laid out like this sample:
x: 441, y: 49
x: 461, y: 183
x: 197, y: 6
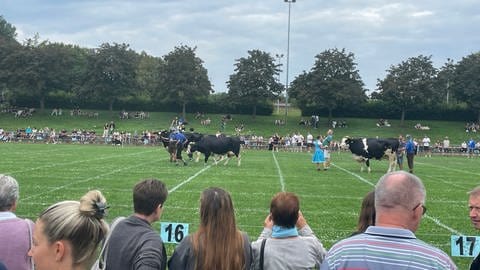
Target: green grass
x: 330, y: 200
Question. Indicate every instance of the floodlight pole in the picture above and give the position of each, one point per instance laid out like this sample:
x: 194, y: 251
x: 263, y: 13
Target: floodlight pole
x: 288, y: 57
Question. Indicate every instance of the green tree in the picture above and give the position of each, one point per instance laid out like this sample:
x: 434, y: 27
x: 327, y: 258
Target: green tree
x: 408, y: 84
x: 8, y: 32
x: 255, y: 80
x: 148, y: 76
x: 183, y: 79
x: 40, y: 68
x: 8, y: 51
x: 466, y: 85
x: 332, y: 82
x: 112, y: 74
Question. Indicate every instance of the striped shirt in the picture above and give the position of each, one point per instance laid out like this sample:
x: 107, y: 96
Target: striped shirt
x: 385, y: 248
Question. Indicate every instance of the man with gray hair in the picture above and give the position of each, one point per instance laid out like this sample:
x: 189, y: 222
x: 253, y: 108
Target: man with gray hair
x: 391, y: 243
x: 474, y: 208
x: 15, y: 233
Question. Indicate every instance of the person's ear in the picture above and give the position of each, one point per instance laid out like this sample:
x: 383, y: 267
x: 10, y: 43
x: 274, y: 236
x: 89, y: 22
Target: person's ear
x: 59, y: 249
x: 14, y: 206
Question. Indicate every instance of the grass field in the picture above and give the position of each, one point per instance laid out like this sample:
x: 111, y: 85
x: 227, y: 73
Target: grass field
x: 330, y: 200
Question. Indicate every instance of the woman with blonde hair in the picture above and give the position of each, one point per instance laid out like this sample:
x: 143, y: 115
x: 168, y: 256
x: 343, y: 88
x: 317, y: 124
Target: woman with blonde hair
x: 218, y: 243
x: 68, y: 233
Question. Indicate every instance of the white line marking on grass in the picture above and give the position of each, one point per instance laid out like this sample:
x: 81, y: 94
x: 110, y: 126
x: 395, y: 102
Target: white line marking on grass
x: 354, y: 174
x: 435, y: 220
x: 78, y: 161
x: 282, y: 181
x: 448, y: 168
x: 189, y: 179
x: 85, y: 180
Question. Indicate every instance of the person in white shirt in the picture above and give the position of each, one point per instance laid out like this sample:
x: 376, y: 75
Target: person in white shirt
x: 426, y: 146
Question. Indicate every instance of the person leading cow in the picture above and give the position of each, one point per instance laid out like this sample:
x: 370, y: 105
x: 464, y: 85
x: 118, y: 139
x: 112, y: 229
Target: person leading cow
x: 180, y: 141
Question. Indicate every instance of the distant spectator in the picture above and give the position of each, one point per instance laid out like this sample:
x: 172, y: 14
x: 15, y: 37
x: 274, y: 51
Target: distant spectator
x: 15, y: 233
x: 446, y: 145
x: 218, y: 243
x: 286, y: 242
x: 471, y: 147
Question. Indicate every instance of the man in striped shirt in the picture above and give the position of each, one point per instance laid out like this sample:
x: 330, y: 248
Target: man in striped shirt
x: 391, y: 243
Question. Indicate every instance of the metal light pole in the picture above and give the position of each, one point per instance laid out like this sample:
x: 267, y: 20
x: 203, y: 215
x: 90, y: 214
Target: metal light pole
x: 279, y: 60
x: 288, y: 57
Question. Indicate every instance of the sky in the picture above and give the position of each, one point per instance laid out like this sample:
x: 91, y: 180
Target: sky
x: 380, y: 33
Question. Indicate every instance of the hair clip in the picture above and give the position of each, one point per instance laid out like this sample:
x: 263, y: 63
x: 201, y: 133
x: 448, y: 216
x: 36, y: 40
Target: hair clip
x: 100, y: 209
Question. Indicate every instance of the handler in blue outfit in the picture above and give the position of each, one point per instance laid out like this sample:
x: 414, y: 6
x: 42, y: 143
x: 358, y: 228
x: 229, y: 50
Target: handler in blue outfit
x: 318, y: 157
x: 410, y: 150
x: 181, y: 141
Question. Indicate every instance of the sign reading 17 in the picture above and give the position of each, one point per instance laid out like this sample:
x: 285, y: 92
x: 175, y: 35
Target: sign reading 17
x: 173, y: 232
x: 465, y: 246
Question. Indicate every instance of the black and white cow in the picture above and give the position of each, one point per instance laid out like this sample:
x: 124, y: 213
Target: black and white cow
x: 221, y: 145
x: 171, y: 146
x: 364, y: 149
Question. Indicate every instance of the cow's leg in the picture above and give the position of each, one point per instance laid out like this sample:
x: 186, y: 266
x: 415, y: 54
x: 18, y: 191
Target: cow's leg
x: 393, y: 162
x: 198, y: 156
x: 239, y: 159
x: 207, y: 155
x: 368, y: 165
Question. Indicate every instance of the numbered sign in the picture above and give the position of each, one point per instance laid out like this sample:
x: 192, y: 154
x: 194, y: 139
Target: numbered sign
x: 465, y: 246
x: 173, y: 232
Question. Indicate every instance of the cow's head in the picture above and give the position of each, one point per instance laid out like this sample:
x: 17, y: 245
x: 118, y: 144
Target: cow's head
x: 345, y: 143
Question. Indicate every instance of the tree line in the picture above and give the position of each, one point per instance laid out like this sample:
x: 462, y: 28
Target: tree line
x: 113, y: 76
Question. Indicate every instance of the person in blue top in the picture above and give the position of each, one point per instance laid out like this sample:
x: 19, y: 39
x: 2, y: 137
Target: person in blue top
x: 410, y: 150
x: 471, y: 147
x: 180, y: 140
x: 318, y: 157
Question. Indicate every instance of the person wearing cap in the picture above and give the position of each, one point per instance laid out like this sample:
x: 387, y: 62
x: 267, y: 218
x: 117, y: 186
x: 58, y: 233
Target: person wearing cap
x: 410, y: 150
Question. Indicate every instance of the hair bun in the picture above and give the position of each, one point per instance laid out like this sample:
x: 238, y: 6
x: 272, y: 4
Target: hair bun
x: 100, y: 209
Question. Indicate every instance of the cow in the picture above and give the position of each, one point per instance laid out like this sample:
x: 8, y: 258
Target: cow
x: 171, y: 146
x: 221, y: 145
x: 364, y: 149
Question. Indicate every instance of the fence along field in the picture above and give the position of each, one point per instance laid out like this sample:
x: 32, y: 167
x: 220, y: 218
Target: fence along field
x: 330, y: 200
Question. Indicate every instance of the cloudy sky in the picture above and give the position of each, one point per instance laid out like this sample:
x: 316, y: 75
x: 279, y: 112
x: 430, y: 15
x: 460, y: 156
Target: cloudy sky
x: 380, y: 33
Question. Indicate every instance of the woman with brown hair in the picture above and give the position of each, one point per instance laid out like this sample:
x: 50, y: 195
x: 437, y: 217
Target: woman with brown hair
x: 218, y: 243
x: 367, y: 213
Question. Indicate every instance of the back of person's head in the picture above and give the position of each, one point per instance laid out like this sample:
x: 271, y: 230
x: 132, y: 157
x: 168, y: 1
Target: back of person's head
x: 367, y: 212
x: 284, y: 209
x: 474, y: 192
x: 399, y: 190
x: 148, y: 195
x: 9, y: 192
x: 218, y: 244
x: 80, y: 223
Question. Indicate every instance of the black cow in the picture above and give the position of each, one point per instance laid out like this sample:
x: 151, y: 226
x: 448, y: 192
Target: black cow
x: 221, y: 145
x: 364, y: 149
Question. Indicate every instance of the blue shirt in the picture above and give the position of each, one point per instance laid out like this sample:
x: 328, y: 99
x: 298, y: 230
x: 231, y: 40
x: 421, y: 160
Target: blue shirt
x: 410, y: 147
x: 180, y: 137
x: 471, y: 144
